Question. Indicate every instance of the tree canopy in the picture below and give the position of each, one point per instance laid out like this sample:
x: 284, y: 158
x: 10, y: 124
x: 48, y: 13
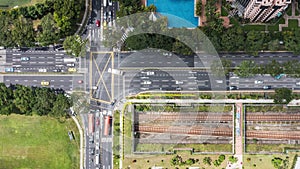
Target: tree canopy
x: 33, y: 100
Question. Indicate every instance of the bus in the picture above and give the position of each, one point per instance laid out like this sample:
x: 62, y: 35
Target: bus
x: 91, y: 123
x: 107, y: 122
x: 115, y: 71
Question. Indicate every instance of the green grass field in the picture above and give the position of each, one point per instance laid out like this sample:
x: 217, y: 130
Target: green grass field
x: 37, y: 142
x: 13, y: 3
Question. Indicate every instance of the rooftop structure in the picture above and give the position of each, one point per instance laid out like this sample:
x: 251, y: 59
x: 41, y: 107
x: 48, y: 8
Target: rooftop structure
x: 260, y: 10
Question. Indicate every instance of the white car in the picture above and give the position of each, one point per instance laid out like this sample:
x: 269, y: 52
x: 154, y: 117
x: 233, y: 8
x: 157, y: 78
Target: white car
x: 110, y: 2
x: 97, y: 146
x: 42, y: 70
x: 258, y: 82
x: 298, y: 83
x: 146, y: 82
x: 149, y: 73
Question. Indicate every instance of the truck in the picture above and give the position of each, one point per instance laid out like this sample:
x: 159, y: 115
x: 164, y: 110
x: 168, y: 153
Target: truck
x: 91, y: 123
x: 107, y: 123
x: 115, y: 71
x: 96, y: 159
x: 67, y: 60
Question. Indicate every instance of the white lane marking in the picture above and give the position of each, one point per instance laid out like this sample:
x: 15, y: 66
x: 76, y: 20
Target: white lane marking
x: 35, y: 80
x: 25, y: 80
x: 16, y: 54
x: 16, y: 80
x: 59, y: 54
x: 61, y: 80
x: 7, y: 80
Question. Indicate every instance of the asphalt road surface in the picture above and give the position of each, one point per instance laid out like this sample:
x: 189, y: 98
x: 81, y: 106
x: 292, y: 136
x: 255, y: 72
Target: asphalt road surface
x: 65, y: 82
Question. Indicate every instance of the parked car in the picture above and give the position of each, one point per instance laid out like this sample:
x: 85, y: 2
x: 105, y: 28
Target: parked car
x: 80, y: 81
x: 266, y: 87
x: 258, y: 82
x: 297, y: 83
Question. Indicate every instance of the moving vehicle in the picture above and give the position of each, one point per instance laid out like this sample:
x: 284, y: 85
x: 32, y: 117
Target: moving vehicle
x: 146, y: 82
x: 258, y: 82
x: 110, y: 2
x: 57, y: 70
x: 71, y: 69
x: 70, y: 64
x: 70, y: 60
x: 277, y: 77
x: 42, y: 70
x: 107, y: 123
x: 80, y: 81
x: 266, y: 87
x: 97, y: 23
x: 115, y: 71
x: 24, y: 58
x: 45, y: 83
x: 179, y: 82
x: 104, y: 3
x: 97, y: 159
x: 9, y: 69
x: 91, y: 123
x: 150, y: 73
x: 233, y: 87
x: 219, y: 81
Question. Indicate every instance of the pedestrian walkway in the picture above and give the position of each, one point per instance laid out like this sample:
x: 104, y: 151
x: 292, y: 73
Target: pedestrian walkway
x: 238, y: 146
x: 292, y: 17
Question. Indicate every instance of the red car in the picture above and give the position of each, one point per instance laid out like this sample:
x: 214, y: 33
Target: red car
x: 97, y: 121
x: 97, y: 23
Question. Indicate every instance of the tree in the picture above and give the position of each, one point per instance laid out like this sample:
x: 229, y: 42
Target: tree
x: 24, y: 99
x: 60, y: 106
x: 222, y: 68
x: 283, y: 96
x: 277, y: 162
x: 254, y: 42
x: 22, y: 32
x: 207, y: 160
x: 199, y: 8
x: 49, y: 33
x: 233, y: 159
x: 6, y: 98
x: 75, y: 45
x: 273, y: 68
x: 217, y: 163
x: 247, y: 68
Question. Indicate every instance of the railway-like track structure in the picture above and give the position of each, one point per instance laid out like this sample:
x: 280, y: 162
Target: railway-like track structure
x: 273, y: 135
x: 279, y: 117
x: 185, y: 130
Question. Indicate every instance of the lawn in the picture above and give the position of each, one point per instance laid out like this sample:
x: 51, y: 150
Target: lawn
x: 263, y: 161
x: 254, y: 27
x: 293, y: 23
x: 37, y: 142
x: 12, y: 3
x: 148, y: 161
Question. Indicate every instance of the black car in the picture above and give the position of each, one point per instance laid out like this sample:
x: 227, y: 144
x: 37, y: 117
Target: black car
x: 267, y: 87
x: 233, y: 87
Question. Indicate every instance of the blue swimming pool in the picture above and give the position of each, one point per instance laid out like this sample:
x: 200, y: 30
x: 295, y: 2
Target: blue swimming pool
x: 183, y: 9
